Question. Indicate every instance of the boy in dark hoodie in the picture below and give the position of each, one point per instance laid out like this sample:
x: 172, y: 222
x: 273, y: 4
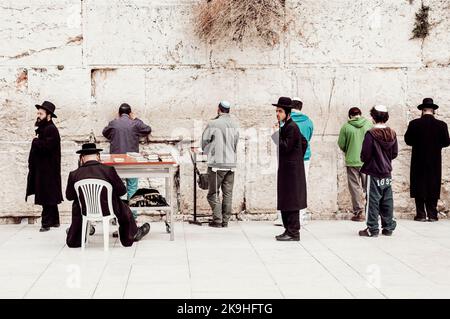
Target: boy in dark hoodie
x: 379, y: 148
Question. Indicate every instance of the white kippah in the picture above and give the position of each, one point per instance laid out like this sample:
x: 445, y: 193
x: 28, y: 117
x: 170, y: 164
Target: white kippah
x: 381, y: 108
x: 225, y: 104
x: 296, y: 99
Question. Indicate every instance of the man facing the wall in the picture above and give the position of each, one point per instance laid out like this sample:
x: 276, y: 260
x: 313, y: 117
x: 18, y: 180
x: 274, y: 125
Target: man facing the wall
x: 219, y: 142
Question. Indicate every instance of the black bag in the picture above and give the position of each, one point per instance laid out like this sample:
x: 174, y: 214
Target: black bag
x: 202, y: 180
x: 147, y: 197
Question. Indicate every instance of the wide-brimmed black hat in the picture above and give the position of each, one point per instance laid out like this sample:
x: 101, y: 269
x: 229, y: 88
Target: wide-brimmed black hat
x: 48, y: 106
x: 284, y: 102
x: 428, y: 103
x: 89, y: 148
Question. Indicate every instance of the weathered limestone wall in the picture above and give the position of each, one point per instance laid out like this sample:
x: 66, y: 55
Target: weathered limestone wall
x: 88, y: 56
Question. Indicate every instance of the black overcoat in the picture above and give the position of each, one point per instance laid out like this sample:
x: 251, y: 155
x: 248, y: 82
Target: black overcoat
x: 94, y: 169
x: 427, y: 136
x: 291, y: 179
x: 44, y: 166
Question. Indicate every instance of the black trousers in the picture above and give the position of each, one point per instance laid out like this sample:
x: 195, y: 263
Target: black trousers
x: 127, y: 225
x: 291, y: 222
x: 50, y: 215
x: 426, y: 207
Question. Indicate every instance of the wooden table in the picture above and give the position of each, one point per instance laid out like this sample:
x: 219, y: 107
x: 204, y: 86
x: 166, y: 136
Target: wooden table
x: 128, y: 167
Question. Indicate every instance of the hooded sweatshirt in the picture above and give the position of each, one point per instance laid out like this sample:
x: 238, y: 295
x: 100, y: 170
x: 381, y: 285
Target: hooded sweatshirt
x: 306, y: 127
x: 379, y: 148
x: 351, y: 138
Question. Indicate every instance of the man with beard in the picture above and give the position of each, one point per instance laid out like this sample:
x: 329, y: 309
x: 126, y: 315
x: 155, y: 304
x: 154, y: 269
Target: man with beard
x: 44, y: 165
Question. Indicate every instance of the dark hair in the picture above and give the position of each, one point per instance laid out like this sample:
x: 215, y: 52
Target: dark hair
x: 298, y: 105
x: 379, y: 117
x: 354, y: 111
x: 124, y: 109
x: 223, y: 110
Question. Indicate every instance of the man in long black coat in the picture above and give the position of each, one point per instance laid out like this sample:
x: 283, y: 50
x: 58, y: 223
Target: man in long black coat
x: 291, y: 181
x: 92, y: 168
x: 427, y: 136
x: 44, y: 165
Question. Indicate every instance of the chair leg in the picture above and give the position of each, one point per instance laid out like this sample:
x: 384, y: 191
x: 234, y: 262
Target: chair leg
x: 106, y: 234
x: 83, y: 232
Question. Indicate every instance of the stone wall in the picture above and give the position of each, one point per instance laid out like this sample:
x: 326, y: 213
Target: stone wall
x: 88, y: 56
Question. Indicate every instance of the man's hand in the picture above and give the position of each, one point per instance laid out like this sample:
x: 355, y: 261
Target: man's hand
x: 275, y: 127
x: 132, y: 116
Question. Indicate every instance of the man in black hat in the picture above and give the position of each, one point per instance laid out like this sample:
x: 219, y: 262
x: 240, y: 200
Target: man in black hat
x: 44, y: 166
x: 291, y: 181
x: 427, y: 136
x: 92, y: 168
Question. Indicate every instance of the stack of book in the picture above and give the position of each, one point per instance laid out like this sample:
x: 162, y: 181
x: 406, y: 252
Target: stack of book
x: 153, y: 157
x: 166, y: 157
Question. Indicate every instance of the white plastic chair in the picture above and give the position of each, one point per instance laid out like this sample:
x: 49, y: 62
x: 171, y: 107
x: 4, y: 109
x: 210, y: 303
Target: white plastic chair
x: 92, y: 189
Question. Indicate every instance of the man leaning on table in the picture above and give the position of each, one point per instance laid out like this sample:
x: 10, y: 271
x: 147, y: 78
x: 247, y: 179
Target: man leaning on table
x: 124, y: 133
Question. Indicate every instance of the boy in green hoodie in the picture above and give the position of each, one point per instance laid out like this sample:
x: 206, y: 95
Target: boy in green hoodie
x: 350, y: 141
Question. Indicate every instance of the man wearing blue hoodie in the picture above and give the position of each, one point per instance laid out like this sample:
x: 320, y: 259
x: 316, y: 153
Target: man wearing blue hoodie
x: 306, y: 128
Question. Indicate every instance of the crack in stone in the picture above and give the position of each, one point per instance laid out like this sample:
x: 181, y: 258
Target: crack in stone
x: 76, y: 40
x: 333, y: 83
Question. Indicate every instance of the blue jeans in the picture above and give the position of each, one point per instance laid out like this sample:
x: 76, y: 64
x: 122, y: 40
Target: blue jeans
x: 132, y: 187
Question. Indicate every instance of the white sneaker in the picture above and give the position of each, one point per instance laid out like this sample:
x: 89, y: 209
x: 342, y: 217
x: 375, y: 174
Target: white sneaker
x: 279, y: 220
x: 304, y: 218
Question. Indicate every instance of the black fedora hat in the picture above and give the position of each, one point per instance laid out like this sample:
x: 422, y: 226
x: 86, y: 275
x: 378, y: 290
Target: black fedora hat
x: 89, y: 148
x: 284, y: 102
x: 48, y: 106
x: 428, y: 103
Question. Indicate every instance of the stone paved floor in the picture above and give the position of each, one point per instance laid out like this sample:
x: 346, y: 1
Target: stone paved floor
x: 242, y: 261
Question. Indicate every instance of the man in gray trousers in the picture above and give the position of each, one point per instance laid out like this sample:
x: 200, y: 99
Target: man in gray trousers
x: 219, y: 142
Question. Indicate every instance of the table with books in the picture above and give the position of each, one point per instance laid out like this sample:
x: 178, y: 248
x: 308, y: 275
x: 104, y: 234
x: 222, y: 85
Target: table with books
x: 141, y: 165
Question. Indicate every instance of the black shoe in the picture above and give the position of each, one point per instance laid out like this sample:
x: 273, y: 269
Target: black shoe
x: 433, y: 219
x: 286, y: 237
x: 91, y: 230
x: 224, y: 225
x: 420, y: 219
x: 43, y: 229
x: 367, y: 233
x: 387, y: 232
x: 281, y: 235
x: 214, y: 224
x: 142, y: 231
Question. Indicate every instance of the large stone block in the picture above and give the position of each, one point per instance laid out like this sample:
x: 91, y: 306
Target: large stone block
x: 182, y: 100
x: 428, y: 82
x: 387, y: 87
x: 327, y: 94
x: 436, y: 44
x: 112, y: 87
x: 41, y: 32
x: 348, y: 31
x: 137, y: 32
x: 69, y: 89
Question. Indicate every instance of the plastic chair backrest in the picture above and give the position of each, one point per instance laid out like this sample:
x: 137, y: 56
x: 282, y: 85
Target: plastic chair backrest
x: 91, y: 189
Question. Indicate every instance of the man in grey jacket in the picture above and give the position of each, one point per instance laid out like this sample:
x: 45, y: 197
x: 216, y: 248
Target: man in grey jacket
x: 124, y: 133
x: 219, y: 142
